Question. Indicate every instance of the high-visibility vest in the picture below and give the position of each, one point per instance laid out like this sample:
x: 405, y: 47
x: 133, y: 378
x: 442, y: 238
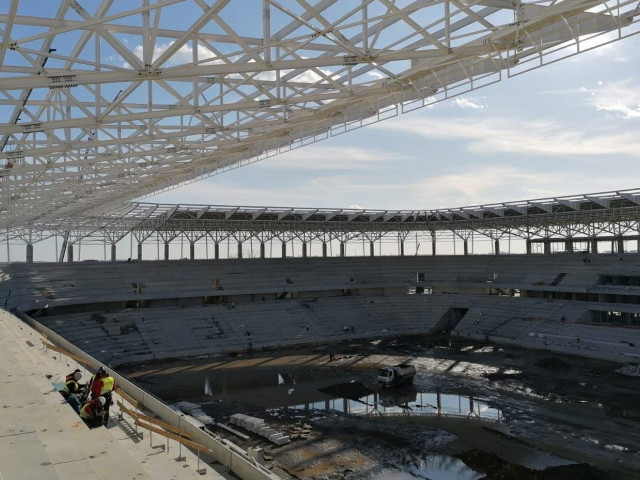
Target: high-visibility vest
x: 69, y: 387
x: 87, y: 409
x: 107, y: 385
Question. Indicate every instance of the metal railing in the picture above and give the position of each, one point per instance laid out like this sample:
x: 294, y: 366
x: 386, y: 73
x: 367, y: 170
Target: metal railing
x: 233, y: 457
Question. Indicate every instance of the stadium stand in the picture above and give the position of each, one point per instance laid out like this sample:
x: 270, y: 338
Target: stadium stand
x: 34, y: 286
x: 125, y: 312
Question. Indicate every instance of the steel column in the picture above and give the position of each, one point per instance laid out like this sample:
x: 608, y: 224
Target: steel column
x: 568, y: 245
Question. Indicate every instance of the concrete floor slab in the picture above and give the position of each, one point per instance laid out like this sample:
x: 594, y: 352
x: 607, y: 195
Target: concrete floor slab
x: 42, y: 437
x: 23, y: 456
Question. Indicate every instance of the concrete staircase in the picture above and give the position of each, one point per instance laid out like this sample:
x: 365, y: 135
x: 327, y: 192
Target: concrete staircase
x: 42, y: 437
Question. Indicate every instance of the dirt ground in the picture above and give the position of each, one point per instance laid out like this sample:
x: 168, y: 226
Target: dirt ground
x: 507, y: 413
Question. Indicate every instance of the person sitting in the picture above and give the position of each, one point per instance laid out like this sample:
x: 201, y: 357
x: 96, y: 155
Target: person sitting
x: 72, y: 391
x: 71, y: 385
x: 93, y: 412
x: 72, y: 375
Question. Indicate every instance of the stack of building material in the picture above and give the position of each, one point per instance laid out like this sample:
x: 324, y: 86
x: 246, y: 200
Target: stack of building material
x: 194, y: 410
x: 257, y: 426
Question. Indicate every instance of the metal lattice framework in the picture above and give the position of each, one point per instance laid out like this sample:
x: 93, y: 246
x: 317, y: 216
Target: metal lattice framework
x: 570, y: 220
x: 104, y: 102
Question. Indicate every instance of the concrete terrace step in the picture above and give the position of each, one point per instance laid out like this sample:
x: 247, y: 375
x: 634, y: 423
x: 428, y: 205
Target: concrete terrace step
x: 35, y: 285
x: 42, y: 437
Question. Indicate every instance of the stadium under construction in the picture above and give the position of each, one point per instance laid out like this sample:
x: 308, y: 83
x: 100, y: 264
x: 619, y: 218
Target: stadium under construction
x: 245, y: 340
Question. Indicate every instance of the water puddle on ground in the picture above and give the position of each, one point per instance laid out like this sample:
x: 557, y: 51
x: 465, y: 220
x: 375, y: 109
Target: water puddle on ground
x: 406, y: 402
x: 434, y: 467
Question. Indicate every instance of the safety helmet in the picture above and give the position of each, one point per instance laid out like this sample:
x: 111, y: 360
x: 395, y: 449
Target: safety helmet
x: 102, y: 400
x: 77, y: 376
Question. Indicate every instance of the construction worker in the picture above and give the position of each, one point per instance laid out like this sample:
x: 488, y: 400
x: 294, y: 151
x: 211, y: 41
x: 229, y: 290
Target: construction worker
x: 72, y: 391
x: 72, y: 375
x: 71, y: 385
x: 100, y: 371
x: 93, y: 412
x: 103, y: 385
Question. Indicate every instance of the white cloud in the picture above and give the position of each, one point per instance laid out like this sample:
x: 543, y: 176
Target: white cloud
x: 603, y: 46
x: 463, y: 102
x: 182, y: 56
x: 322, y: 157
x: 375, y: 74
x: 215, y: 191
x: 485, y: 185
x: 621, y: 98
x: 492, y: 184
x: 504, y: 135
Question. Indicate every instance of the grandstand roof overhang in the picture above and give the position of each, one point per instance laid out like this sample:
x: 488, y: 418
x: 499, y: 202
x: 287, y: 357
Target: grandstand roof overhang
x: 110, y: 101
x: 528, y: 215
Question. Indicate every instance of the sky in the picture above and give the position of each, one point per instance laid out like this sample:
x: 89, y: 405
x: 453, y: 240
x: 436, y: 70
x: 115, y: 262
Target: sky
x: 563, y: 129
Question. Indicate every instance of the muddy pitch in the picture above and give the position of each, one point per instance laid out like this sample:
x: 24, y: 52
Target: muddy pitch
x: 476, y: 411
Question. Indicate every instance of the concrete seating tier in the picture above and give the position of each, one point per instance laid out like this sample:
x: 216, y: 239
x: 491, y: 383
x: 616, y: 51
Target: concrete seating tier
x: 34, y: 286
x: 550, y: 325
x: 125, y: 336
x: 118, y: 337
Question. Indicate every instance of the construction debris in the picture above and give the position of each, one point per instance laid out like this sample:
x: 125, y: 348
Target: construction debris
x: 630, y: 370
x: 194, y: 410
x: 257, y: 426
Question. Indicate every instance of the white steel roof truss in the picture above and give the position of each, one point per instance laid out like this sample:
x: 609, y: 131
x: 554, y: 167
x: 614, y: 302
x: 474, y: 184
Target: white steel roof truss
x: 174, y: 120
